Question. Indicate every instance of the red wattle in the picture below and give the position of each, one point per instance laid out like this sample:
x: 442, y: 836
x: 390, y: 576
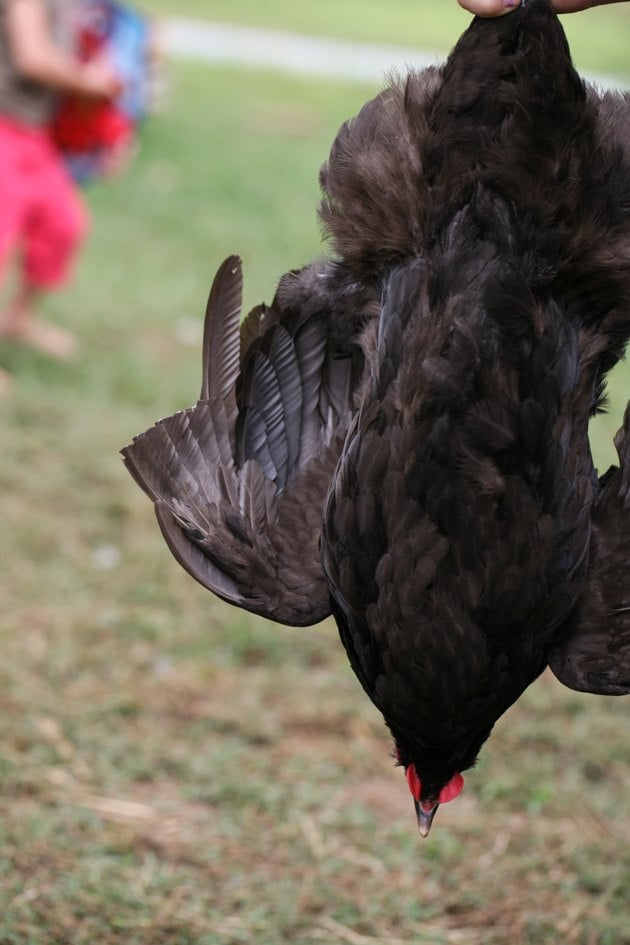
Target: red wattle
x: 450, y: 791
x: 414, y: 782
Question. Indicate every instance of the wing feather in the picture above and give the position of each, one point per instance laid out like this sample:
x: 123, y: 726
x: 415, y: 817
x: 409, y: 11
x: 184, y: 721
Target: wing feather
x: 594, y: 654
x: 221, y: 343
x: 239, y: 480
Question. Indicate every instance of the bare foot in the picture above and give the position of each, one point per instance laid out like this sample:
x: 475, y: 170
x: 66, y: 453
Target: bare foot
x: 49, y: 339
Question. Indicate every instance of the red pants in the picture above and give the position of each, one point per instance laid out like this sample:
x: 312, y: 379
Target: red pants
x: 41, y: 210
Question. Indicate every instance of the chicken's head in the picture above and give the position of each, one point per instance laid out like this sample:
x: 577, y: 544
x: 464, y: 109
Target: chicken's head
x: 426, y: 798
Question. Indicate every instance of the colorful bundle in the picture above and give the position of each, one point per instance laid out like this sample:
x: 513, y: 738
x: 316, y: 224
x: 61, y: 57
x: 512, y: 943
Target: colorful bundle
x: 93, y: 135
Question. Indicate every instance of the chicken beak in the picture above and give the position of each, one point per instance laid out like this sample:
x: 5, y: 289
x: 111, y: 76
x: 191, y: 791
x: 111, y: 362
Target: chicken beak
x: 425, y: 818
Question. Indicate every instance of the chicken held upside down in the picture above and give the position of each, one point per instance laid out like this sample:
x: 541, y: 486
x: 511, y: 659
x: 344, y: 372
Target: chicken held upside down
x: 401, y: 438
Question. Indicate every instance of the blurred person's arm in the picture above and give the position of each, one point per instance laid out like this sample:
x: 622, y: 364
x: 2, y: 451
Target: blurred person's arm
x: 37, y: 57
x: 499, y: 7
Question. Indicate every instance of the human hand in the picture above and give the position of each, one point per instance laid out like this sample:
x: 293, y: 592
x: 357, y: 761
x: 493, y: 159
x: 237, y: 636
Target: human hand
x: 98, y: 79
x: 499, y: 7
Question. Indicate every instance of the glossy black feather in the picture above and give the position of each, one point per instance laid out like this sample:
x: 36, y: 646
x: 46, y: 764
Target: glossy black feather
x: 489, y: 357
x: 594, y: 653
x: 418, y: 408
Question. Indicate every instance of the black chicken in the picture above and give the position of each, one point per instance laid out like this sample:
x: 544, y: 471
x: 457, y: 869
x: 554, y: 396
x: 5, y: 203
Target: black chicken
x: 401, y: 438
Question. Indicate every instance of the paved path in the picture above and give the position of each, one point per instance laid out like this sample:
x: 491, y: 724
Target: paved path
x: 293, y: 53
x: 288, y: 52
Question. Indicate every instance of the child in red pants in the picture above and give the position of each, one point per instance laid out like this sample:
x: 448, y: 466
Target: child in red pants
x: 42, y: 217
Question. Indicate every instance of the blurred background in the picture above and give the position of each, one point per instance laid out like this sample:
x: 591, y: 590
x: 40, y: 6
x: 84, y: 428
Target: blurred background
x: 176, y: 771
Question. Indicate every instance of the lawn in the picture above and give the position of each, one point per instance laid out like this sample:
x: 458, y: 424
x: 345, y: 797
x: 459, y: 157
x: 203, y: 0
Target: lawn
x: 173, y: 771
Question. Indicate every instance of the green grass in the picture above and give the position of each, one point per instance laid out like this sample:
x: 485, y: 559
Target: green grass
x: 173, y: 771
